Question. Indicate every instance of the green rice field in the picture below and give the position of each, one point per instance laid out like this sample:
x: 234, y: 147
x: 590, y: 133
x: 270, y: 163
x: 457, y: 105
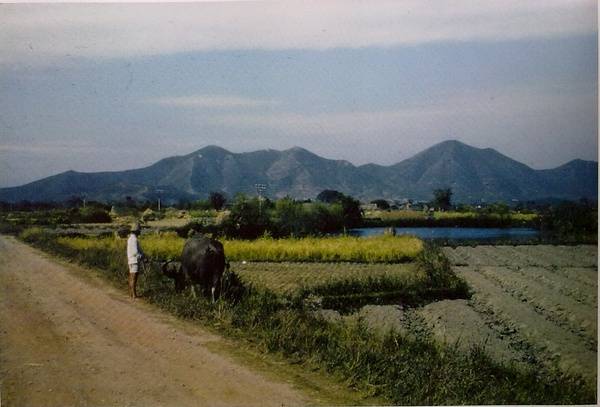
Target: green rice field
x: 290, y: 278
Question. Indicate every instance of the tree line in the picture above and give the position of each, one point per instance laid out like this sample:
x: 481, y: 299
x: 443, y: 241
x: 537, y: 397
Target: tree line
x: 332, y: 211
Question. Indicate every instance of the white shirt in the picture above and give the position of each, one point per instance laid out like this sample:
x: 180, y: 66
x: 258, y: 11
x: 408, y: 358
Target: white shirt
x: 133, y: 249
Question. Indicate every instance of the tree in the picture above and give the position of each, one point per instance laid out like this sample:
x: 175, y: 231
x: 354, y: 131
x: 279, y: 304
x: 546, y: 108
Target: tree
x: 569, y: 219
x: 289, y: 217
x: 217, y: 200
x: 247, y: 219
x: 93, y: 215
x: 351, y: 212
x: 324, y: 218
x: 442, y: 198
x: 330, y: 196
x: 381, y: 204
x: 130, y: 202
x: 350, y: 207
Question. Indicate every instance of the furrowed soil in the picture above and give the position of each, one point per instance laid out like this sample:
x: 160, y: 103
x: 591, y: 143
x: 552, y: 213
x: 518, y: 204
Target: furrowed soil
x: 530, y: 304
x: 68, y: 338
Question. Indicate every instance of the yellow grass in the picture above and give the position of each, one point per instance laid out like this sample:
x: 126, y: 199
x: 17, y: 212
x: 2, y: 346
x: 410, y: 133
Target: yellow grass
x: 379, y: 249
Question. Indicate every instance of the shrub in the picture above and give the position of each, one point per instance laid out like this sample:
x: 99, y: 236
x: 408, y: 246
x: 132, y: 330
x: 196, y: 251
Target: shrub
x: 93, y: 215
x: 248, y: 218
x: 571, y: 219
x: 33, y: 235
x: 439, y: 271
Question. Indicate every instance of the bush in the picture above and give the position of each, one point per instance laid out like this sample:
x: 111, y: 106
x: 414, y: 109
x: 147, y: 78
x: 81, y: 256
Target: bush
x: 33, y: 235
x: 92, y: 215
x: 217, y: 200
x: 571, y: 219
x: 382, y: 204
x: 248, y: 218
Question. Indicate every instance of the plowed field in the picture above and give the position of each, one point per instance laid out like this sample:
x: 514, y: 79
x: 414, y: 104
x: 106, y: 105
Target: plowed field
x: 531, y: 304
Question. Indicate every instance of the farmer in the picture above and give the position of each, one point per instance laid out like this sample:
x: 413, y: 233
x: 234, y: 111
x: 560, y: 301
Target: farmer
x: 134, y: 257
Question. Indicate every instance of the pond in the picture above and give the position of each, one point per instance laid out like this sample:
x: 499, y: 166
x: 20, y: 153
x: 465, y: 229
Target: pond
x: 479, y: 234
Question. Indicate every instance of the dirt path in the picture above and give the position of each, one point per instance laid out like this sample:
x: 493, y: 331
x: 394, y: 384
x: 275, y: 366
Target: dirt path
x: 72, y: 341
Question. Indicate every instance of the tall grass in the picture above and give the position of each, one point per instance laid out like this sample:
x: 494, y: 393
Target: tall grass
x: 105, y: 254
x: 379, y: 249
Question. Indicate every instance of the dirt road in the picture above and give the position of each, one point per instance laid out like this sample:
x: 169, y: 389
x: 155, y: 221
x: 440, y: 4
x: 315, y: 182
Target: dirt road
x: 66, y: 340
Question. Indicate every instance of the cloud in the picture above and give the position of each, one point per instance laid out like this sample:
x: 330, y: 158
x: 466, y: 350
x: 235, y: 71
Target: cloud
x: 48, y: 33
x: 49, y: 148
x: 212, y: 102
x: 525, y: 123
x: 494, y: 105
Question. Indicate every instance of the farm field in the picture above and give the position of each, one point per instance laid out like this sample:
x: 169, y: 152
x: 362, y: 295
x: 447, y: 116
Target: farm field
x: 531, y: 306
x: 534, y: 304
x: 298, y: 305
x: 378, y: 249
x: 289, y: 278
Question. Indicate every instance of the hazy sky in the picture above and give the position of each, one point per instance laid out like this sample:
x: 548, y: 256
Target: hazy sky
x: 93, y: 87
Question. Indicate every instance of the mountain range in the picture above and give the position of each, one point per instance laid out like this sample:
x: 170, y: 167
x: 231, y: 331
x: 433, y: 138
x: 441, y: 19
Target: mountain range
x: 474, y: 174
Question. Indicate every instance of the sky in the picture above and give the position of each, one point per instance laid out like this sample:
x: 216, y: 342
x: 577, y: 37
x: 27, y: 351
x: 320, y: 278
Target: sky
x: 104, y: 87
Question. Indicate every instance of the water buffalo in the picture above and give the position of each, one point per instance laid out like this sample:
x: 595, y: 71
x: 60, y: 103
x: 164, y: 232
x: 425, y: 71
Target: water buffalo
x: 203, y: 263
x: 172, y: 269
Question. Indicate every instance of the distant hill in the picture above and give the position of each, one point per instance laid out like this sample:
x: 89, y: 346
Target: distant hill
x: 473, y: 174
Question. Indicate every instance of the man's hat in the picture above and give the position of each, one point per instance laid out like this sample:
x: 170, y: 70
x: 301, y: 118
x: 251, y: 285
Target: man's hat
x: 135, y: 227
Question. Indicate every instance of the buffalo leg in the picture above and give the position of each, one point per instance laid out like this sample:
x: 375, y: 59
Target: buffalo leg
x: 179, y: 283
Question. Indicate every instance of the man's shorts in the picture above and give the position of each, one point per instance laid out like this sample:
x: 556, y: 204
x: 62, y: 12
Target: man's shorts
x: 133, y: 268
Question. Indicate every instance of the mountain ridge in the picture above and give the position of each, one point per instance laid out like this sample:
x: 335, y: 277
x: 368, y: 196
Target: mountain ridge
x: 474, y: 174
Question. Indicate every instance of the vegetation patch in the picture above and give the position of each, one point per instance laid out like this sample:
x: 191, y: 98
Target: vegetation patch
x: 488, y: 219
x: 344, y: 287
x: 380, y: 249
x: 288, y: 279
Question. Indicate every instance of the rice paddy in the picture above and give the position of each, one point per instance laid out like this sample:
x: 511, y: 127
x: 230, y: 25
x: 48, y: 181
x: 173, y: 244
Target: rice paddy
x: 291, y: 278
x: 380, y: 249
